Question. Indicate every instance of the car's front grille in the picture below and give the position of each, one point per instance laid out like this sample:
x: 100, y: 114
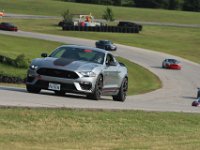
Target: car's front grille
x: 57, y: 73
x: 64, y: 86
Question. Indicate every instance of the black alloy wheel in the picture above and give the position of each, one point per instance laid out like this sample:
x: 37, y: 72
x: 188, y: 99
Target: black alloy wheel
x: 96, y: 95
x: 121, y: 96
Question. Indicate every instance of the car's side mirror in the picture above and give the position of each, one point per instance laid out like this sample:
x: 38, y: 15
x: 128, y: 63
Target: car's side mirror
x: 44, y: 55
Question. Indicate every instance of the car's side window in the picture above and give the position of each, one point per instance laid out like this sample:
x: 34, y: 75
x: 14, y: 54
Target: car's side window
x: 110, y: 59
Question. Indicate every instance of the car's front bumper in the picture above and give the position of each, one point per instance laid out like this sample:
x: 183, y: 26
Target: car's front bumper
x: 176, y: 67
x: 79, y: 85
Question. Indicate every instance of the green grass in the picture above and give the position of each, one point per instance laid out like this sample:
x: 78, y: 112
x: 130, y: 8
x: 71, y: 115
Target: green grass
x: 55, y: 8
x: 15, y: 46
x: 31, y: 48
x: 25, y: 129
x: 140, y: 79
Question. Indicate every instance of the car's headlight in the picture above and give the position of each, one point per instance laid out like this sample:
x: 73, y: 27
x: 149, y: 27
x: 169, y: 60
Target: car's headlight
x: 88, y: 74
x: 33, y: 67
x: 113, y: 46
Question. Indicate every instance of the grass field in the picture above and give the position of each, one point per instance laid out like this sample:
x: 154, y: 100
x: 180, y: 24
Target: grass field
x: 27, y: 129
x: 140, y: 79
x: 14, y: 46
x: 56, y: 7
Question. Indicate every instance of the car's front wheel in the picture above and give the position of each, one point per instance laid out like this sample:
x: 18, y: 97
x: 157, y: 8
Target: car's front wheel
x: 96, y: 95
x: 32, y: 89
x: 121, y: 96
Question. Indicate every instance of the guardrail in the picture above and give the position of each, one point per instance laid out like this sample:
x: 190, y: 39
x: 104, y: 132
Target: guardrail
x: 102, y: 29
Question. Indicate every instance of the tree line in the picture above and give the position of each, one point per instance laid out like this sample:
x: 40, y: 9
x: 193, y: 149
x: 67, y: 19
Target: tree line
x: 186, y: 5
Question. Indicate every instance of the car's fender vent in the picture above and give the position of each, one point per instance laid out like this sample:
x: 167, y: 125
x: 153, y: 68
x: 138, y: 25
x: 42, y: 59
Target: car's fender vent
x: 57, y: 73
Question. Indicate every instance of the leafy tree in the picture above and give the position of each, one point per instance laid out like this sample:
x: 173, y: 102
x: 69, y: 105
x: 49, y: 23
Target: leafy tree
x: 67, y: 18
x: 191, y: 5
x: 151, y: 3
x: 128, y: 3
x: 117, y: 2
x: 174, y: 4
x: 108, y: 14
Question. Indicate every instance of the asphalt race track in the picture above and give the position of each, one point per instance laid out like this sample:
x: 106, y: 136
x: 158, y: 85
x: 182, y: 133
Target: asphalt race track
x: 178, y: 91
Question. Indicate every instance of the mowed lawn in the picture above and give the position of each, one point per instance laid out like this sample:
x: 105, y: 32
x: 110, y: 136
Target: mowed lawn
x: 14, y: 46
x: 52, y: 129
x: 140, y: 79
x: 56, y: 7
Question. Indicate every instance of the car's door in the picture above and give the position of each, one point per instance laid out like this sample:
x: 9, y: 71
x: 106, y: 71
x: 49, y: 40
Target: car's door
x: 111, y: 72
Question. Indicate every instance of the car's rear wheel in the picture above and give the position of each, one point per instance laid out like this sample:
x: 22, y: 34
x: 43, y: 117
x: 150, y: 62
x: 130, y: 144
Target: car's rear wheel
x: 121, y: 96
x: 32, y: 89
x: 96, y: 95
x: 59, y: 93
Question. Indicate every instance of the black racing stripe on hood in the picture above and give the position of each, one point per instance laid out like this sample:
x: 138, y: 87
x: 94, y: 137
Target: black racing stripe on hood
x: 63, y: 61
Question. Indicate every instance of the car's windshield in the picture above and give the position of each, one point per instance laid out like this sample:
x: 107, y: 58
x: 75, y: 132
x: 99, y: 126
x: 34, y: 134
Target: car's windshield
x: 173, y: 61
x: 81, y: 54
x: 7, y: 24
x: 107, y: 42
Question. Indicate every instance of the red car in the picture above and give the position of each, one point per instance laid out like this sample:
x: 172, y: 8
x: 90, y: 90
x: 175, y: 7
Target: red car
x: 171, y: 64
x: 8, y: 26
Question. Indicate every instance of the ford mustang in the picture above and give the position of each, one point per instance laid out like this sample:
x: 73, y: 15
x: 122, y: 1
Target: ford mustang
x: 79, y: 69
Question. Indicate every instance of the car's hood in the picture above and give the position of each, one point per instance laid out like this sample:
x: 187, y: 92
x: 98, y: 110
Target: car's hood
x: 61, y: 63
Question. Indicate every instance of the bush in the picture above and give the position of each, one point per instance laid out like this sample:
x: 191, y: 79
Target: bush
x: 108, y: 14
x: 67, y: 18
x: 21, y: 61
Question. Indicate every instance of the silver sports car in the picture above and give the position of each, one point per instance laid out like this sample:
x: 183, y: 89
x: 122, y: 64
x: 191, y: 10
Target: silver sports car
x: 79, y: 69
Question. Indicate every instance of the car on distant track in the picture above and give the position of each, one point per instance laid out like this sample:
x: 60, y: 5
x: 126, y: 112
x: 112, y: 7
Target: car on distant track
x: 8, y: 26
x: 79, y: 69
x: 106, y: 44
x: 171, y: 64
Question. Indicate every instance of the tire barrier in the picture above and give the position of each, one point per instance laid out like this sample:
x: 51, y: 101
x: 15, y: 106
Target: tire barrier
x: 6, y: 79
x: 102, y: 29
